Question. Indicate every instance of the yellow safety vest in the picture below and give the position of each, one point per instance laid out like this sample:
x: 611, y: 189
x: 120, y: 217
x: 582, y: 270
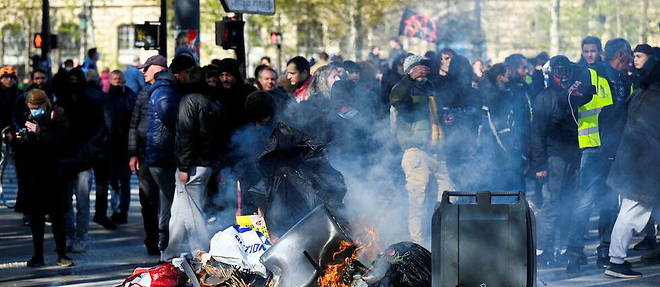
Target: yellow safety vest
x: 588, y: 133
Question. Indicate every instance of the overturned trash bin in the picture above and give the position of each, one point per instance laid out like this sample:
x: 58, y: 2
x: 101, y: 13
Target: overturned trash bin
x: 483, y: 244
x: 298, y: 257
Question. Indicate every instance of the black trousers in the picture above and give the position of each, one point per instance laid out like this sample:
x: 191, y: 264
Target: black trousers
x: 149, y: 199
x: 102, y: 172
x: 37, y: 226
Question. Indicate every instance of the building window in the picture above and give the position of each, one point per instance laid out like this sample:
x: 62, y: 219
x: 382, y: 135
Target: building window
x: 125, y: 37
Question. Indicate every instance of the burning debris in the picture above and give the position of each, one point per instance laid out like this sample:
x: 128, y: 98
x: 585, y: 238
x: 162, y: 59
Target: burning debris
x: 316, y: 252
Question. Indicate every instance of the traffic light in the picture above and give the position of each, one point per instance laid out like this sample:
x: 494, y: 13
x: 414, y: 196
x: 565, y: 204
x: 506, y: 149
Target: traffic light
x: 35, y: 62
x: 38, y: 40
x: 229, y: 33
x: 146, y: 36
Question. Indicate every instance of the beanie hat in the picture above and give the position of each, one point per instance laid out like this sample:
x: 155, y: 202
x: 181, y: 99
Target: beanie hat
x: 7, y: 71
x: 410, y: 62
x: 229, y: 65
x: 181, y: 63
x: 644, y: 48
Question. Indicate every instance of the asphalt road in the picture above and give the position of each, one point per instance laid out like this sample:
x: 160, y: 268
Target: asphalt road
x: 113, y: 255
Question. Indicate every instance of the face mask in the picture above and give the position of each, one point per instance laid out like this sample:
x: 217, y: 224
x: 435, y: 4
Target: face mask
x: 37, y: 112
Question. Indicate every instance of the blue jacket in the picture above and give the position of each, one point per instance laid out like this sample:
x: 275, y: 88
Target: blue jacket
x: 163, y: 109
x: 134, y: 79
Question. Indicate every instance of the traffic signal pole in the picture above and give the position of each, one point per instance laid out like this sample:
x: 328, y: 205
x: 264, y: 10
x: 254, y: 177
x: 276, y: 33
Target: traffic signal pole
x: 45, y: 32
x: 163, y: 29
x: 240, y: 49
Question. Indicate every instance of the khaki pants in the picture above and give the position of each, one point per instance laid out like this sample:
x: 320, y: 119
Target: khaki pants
x: 419, y: 167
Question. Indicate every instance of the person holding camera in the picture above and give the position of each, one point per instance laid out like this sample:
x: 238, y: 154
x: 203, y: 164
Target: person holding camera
x: 40, y: 139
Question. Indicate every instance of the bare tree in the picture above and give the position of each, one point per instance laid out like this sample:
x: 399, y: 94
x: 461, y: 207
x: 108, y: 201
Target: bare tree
x: 644, y: 22
x: 554, y: 27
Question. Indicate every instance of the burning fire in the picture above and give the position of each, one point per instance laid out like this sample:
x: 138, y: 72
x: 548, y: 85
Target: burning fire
x: 341, y: 274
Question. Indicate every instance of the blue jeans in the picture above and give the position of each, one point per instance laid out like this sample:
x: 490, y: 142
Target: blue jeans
x: 165, y: 179
x: 593, y: 191
x: 76, y: 230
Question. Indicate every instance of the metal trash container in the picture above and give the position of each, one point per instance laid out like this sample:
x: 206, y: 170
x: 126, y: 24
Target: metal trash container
x: 308, y: 246
x: 482, y: 243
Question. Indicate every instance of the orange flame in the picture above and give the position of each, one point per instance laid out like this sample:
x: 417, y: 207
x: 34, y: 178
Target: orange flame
x: 334, y: 273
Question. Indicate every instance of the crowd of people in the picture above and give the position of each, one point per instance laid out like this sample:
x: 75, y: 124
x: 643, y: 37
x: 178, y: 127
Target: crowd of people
x: 575, y: 136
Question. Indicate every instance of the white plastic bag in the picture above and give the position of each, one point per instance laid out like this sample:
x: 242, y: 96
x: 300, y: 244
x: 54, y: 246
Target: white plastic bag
x: 240, y: 247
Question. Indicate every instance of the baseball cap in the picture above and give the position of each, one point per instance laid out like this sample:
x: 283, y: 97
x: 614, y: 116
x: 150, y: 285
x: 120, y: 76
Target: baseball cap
x: 157, y: 60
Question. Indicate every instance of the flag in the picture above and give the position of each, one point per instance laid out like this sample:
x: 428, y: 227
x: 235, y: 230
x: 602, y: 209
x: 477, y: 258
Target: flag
x: 416, y: 25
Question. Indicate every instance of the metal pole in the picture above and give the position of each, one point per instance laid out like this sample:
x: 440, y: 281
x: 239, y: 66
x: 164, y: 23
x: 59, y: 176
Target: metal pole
x: 279, y: 46
x: 240, y: 50
x: 162, y: 33
x: 45, y: 33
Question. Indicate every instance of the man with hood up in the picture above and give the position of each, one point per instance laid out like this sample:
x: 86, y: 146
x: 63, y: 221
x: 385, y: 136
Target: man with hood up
x: 233, y: 92
x: 635, y: 174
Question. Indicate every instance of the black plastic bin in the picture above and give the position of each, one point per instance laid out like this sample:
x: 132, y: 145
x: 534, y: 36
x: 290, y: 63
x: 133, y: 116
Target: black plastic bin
x: 483, y: 244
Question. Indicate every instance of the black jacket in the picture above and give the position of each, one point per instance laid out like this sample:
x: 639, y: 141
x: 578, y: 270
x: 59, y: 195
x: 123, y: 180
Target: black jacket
x: 7, y: 99
x: 137, y: 128
x: 554, y: 130
x: 42, y: 187
x: 234, y: 102
x: 199, y: 132
x: 635, y: 172
x: 121, y: 102
x: 88, y: 132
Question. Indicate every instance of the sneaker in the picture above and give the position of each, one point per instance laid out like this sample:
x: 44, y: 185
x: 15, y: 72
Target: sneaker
x: 105, y: 222
x: 648, y: 243
x: 64, y: 261
x: 48, y: 221
x: 35, y: 262
x: 621, y: 271
x: 119, y: 218
x: 79, y: 247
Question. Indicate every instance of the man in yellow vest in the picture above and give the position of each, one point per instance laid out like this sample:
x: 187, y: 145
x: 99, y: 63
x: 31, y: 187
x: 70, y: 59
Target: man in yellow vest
x: 600, y: 125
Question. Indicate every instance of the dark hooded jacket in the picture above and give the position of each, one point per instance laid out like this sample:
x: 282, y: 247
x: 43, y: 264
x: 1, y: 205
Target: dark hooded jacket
x: 121, y: 102
x: 635, y: 173
x: 234, y: 98
x: 163, y: 109
x: 88, y: 130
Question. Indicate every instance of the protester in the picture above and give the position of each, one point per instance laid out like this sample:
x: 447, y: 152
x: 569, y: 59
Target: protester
x: 419, y: 135
x: 8, y: 94
x: 137, y: 141
x: 166, y: 92
x: 84, y: 143
x: 133, y: 77
x: 90, y: 62
x: 122, y: 100
x: 555, y: 158
x: 600, y: 127
x: 43, y: 189
x: 634, y: 171
x: 592, y: 51
x: 298, y: 74
x: 199, y: 130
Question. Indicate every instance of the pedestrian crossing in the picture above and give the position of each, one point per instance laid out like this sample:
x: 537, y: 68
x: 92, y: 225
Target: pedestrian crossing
x: 9, y: 184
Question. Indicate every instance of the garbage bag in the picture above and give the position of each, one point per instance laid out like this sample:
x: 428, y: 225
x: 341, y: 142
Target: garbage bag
x: 164, y: 275
x: 240, y: 247
x: 404, y: 264
x: 296, y: 178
